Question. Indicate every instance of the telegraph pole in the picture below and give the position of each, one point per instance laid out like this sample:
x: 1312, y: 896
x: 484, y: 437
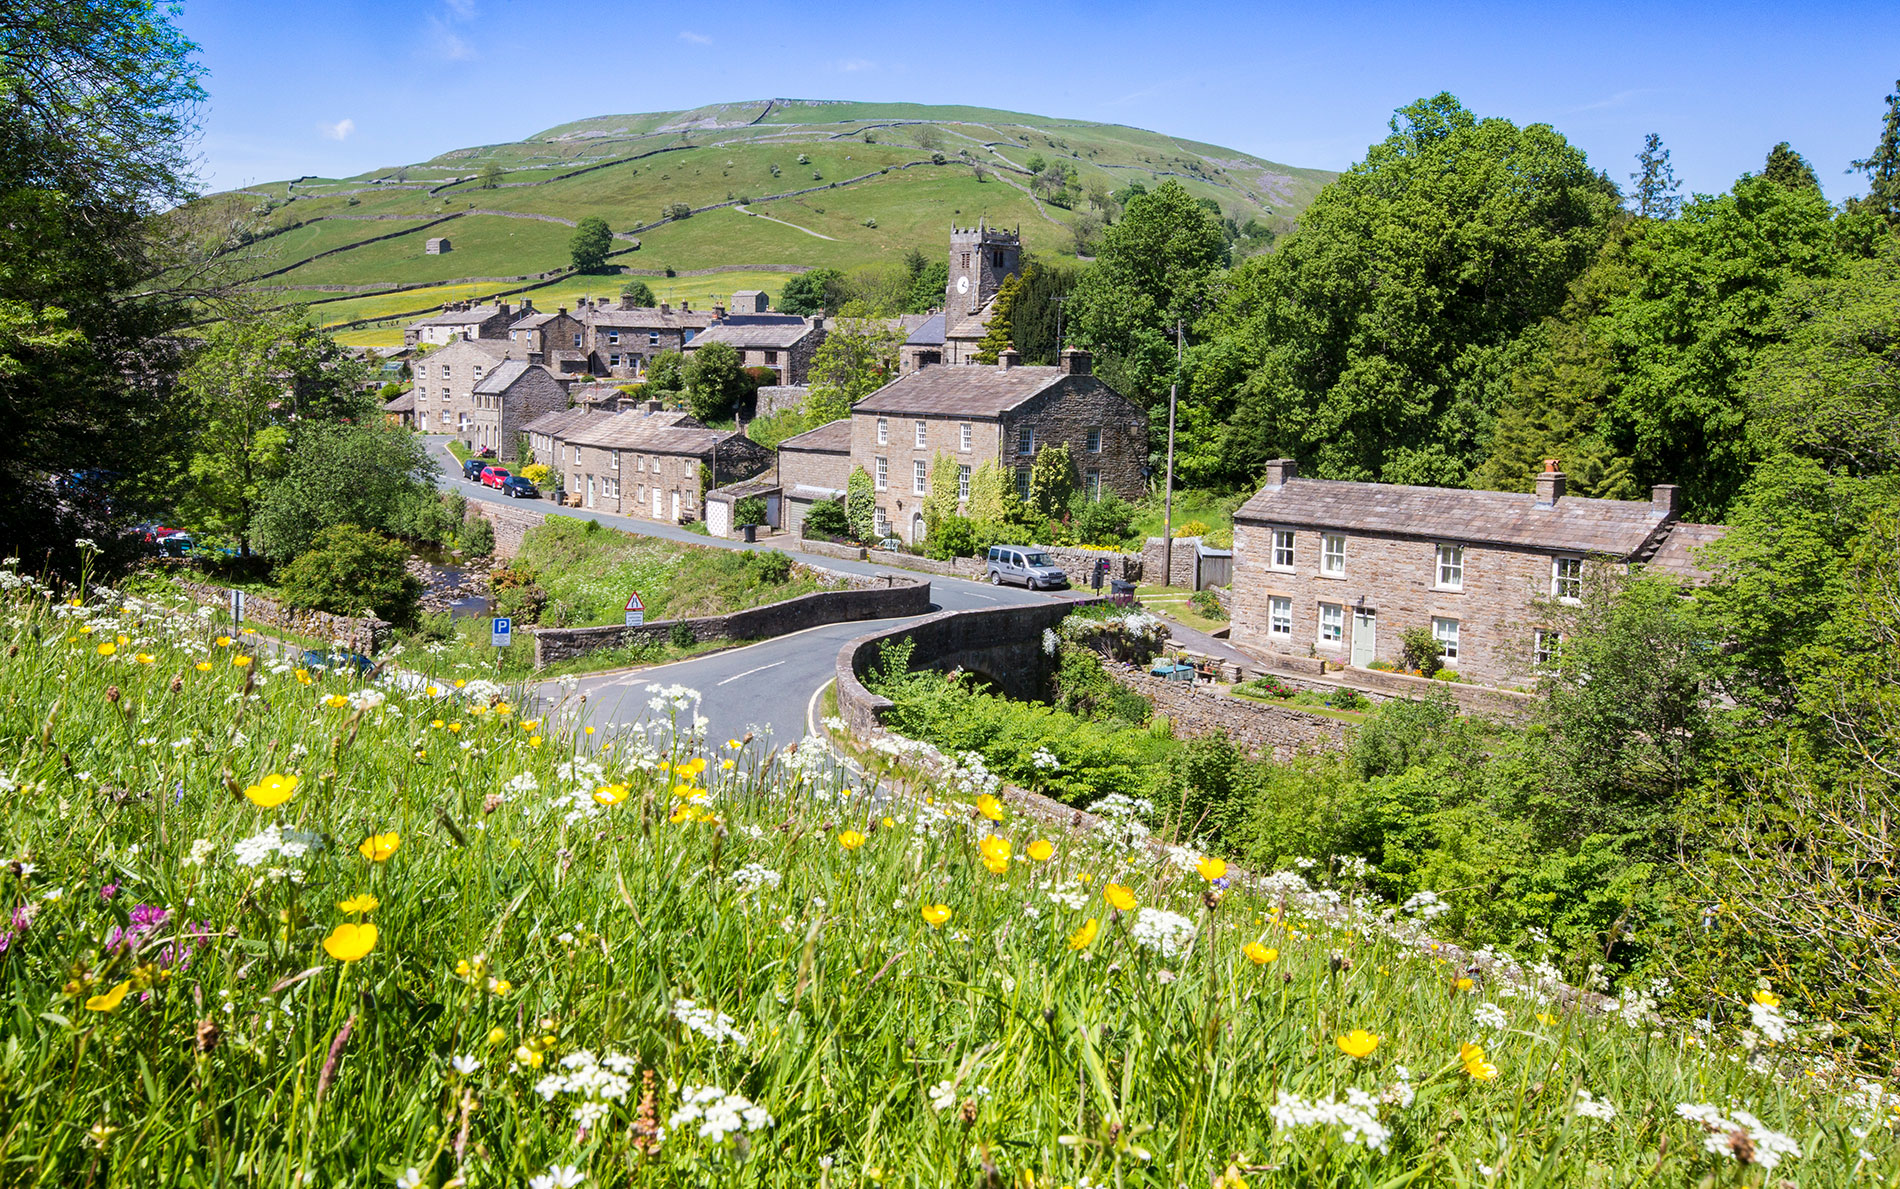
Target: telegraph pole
x: 1167, y: 498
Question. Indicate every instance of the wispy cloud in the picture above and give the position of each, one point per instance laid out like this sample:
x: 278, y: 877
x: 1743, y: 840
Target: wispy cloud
x: 695, y: 38
x: 1620, y: 99
x: 338, y: 131
x: 462, y: 9
x: 446, y: 44
x: 853, y: 65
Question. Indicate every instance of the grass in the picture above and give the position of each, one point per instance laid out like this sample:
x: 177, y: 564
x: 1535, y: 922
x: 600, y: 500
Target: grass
x: 546, y: 901
x: 1212, y: 508
x: 1306, y: 699
x: 1171, y: 602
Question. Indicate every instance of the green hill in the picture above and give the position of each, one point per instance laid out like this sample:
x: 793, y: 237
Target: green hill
x: 775, y: 186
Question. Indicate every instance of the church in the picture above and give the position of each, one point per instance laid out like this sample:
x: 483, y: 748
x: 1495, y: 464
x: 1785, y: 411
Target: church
x: 981, y: 259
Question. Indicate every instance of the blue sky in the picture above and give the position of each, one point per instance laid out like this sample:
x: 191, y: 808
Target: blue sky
x: 338, y: 87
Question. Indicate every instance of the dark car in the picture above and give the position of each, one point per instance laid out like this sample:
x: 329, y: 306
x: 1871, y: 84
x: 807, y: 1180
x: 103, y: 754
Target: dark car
x: 336, y: 658
x: 515, y: 487
x: 472, y: 470
x: 494, y: 476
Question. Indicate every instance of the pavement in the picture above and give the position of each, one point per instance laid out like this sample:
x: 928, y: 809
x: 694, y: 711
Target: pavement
x: 770, y: 686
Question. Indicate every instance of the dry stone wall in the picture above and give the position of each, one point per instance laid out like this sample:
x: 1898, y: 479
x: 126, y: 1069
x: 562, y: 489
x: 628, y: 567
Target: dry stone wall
x: 365, y: 634
x: 1260, y: 727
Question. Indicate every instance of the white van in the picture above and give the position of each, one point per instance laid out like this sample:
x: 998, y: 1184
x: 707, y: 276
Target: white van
x: 1029, y: 566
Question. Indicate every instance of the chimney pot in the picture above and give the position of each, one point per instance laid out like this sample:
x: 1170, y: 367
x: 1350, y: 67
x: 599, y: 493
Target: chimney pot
x: 1076, y: 362
x: 1280, y: 470
x: 664, y: 308
x: 1550, y: 484
x: 1662, y: 498
x: 1007, y: 359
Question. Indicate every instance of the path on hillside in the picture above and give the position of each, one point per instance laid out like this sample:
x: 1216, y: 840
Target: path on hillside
x: 783, y: 223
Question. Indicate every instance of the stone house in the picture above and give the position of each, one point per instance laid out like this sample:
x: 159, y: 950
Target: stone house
x: 1002, y: 414
x: 550, y: 339
x: 812, y: 467
x: 651, y: 465
x: 619, y: 340
x: 435, y: 246
x: 751, y: 301
x: 1340, y: 570
x: 401, y: 409
x: 445, y: 382
x: 547, y: 432
x: 461, y: 319
x: 783, y: 342
x: 512, y: 394
x: 923, y: 347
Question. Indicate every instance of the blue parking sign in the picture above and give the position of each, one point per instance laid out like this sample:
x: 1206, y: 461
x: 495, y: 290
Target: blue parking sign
x: 501, y: 632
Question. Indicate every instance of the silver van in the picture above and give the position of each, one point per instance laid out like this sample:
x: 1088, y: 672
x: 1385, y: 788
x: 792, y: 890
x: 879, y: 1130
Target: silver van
x: 1031, y: 567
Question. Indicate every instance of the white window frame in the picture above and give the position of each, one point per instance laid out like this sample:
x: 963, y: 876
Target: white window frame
x: 1022, y: 483
x: 1332, y: 617
x: 1094, y: 440
x: 1025, y: 441
x: 446, y: 373
x: 963, y: 483
x: 1566, y: 574
x: 1280, y: 616
x: 613, y: 337
x: 883, y: 432
x: 641, y: 460
x: 923, y: 434
x: 653, y: 338
x: 883, y: 473
x: 1446, y: 632
x: 1544, y: 645
x: 1092, y: 486
x: 1448, y: 568
x: 1332, y: 555
x: 1281, y: 550
x: 963, y: 438
x: 919, y: 477
x: 577, y: 456
x: 615, y: 456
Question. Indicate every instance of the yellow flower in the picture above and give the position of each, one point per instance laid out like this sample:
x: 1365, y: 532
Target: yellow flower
x: 303, y: 676
x: 460, y: 682
x: 111, y: 999
x: 1464, y: 984
x: 348, y: 943
x: 437, y: 723
x: 203, y: 666
x: 888, y: 823
x: 1767, y: 998
x: 611, y: 794
x: 144, y: 658
x: 725, y: 765
x: 1118, y: 897
x: 1041, y: 850
x: 241, y: 661
x: 990, y: 807
x: 733, y: 745
x: 1546, y: 1019
x: 692, y: 767
x: 851, y: 840
x: 1358, y: 1043
x: 1084, y: 937
x: 1259, y: 954
x: 683, y: 812
x: 378, y: 847
x: 997, y: 866
x: 432, y: 691
x: 994, y: 847
x: 361, y: 902
x: 1211, y: 868
x: 936, y: 914
x: 496, y: 1036
x: 107, y: 648
x: 534, y: 741
x: 272, y: 791
x: 455, y: 728
x: 1472, y: 1057
x: 224, y: 641
x: 336, y: 701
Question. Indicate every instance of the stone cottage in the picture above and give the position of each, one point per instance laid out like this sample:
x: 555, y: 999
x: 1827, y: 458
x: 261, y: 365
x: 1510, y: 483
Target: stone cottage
x: 512, y: 394
x: 445, y: 382
x: 651, y: 465
x: 461, y: 319
x: 812, y: 468
x: 783, y: 342
x: 621, y: 339
x: 1340, y: 570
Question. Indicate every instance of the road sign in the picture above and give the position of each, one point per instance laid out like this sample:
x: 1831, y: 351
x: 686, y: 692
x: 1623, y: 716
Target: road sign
x: 501, y: 632
x: 636, y: 610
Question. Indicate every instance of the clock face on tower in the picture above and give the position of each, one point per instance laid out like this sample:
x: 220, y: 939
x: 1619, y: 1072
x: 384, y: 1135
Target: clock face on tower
x: 963, y: 284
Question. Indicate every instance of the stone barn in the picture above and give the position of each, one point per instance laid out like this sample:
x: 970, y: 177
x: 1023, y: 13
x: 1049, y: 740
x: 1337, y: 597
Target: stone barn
x: 436, y: 246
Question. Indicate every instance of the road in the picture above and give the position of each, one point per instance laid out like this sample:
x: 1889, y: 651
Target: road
x: 764, y: 687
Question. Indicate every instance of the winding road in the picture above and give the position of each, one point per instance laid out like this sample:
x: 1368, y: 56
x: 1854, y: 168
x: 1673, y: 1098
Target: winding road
x: 770, y: 686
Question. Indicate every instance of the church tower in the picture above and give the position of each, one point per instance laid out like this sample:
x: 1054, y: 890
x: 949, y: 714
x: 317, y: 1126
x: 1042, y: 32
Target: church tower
x: 980, y: 258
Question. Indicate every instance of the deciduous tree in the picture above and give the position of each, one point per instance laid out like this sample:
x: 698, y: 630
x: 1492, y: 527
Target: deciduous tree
x: 858, y: 356
x: 593, y: 239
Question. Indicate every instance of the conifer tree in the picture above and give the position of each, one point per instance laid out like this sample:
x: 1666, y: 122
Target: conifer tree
x: 996, y: 337
x: 1788, y: 168
x: 1882, y: 167
x: 1656, y: 185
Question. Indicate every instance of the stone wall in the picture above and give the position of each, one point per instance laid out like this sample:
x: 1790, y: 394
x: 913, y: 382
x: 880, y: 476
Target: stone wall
x: 1080, y: 563
x: 1065, y: 412
x: 510, y: 522
x: 365, y: 634
x: 869, y: 597
x: 1152, y: 562
x: 777, y: 398
x: 831, y: 549
x: 1260, y: 727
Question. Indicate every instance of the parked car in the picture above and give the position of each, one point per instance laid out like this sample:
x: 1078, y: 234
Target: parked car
x: 336, y: 658
x: 1031, y: 567
x: 472, y: 470
x: 515, y: 487
x: 494, y: 476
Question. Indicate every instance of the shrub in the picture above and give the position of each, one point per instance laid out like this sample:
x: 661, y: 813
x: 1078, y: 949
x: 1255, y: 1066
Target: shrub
x: 1192, y: 528
x: 1265, y: 686
x: 750, y: 510
x: 1348, y: 699
x: 1207, y: 604
x: 770, y: 566
x: 477, y: 538
x: 955, y: 536
x: 538, y: 473
x: 1421, y: 651
x: 1103, y: 522
x: 826, y: 518
x: 352, y: 569
x: 860, y: 504
x: 681, y: 635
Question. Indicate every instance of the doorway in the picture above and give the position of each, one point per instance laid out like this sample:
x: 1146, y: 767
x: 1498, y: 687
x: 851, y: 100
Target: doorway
x: 1365, y: 636
x: 676, y: 507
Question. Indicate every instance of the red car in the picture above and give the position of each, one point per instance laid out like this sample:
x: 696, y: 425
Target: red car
x: 494, y: 476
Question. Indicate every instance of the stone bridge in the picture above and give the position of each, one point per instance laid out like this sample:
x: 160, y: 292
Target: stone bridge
x: 1000, y: 644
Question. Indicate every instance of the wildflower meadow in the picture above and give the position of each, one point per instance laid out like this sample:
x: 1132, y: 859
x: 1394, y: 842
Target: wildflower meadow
x: 271, y: 926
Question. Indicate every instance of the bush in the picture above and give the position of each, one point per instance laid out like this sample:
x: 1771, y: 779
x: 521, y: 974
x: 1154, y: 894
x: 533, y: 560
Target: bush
x: 1193, y: 528
x: 1265, y: 686
x: 477, y: 538
x: 1421, y: 651
x: 770, y: 566
x: 955, y: 537
x: 750, y: 510
x: 1348, y: 699
x: 538, y: 473
x: 1207, y: 604
x: 827, y: 519
x: 681, y: 636
x: 1106, y: 521
x: 350, y: 570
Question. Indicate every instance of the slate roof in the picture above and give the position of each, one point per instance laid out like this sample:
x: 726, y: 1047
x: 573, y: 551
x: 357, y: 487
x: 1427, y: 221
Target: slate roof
x: 973, y: 390
x: 503, y: 376
x: 969, y: 326
x: 647, y: 318
x: 833, y: 437
x: 459, y: 317
x: 405, y: 403
x: 556, y: 424
x: 763, y: 484
x: 533, y: 319
x: 1618, y: 528
x: 930, y: 334
x: 1676, y: 555
x: 662, y: 433
x: 753, y: 335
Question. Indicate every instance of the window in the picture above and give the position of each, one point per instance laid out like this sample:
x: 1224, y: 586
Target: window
x: 963, y: 437
x: 1544, y: 647
x: 771, y: 358
x: 883, y: 473
x: 1332, y: 556
x: 1282, y: 548
x: 1451, y: 567
x: 883, y: 431
x: 1566, y: 578
x: 963, y: 483
x: 445, y: 394
x: 653, y: 338
x: 614, y: 359
x: 478, y: 371
x: 1092, y: 486
x: 1022, y: 482
x: 966, y: 260
x: 923, y: 434
x: 1095, y: 439
x: 1279, y: 616
x: 577, y: 456
x: 919, y: 478
x: 686, y: 336
x: 445, y: 371
x: 1332, y: 623
x: 511, y: 336
x: 613, y: 336
x: 1026, y: 440
x: 1445, y: 631
x: 615, y: 456
x: 883, y: 524
x: 643, y: 463
x: 577, y: 341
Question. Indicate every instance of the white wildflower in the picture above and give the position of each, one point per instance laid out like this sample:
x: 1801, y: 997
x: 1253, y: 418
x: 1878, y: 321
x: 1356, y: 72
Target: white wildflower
x: 1588, y: 1107
x: 465, y: 1065
x: 715, y: 1026
x: 558, y: 1176
x: 718, y: 1113
x: 1166, y: 933
x: 1357, y: 1118
x: 754, y: 876
x: 1738, y: 1134
x: 1489, y: 1015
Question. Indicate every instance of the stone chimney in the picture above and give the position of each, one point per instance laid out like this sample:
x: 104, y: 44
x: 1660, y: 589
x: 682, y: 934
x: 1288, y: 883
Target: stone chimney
x: 1550, y: 484
x: 1008, y: 359
x: 560, y: 310
x: 1280, y: 470
x: 527, y: 305
x: 685, y: 306
x: 1662, y: 498
x: 1076, y: 362
x: 501, y: 307
x: 626, y: 301
x: 719, y: 312
x: 665, y: 309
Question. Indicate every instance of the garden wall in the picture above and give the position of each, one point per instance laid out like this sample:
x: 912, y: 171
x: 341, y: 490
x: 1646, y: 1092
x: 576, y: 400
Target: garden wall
x: 869, y: 597
x: 364, y: 634
x: 1260, y: 727
x: 1184, y: 570
x: 511, y: 523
